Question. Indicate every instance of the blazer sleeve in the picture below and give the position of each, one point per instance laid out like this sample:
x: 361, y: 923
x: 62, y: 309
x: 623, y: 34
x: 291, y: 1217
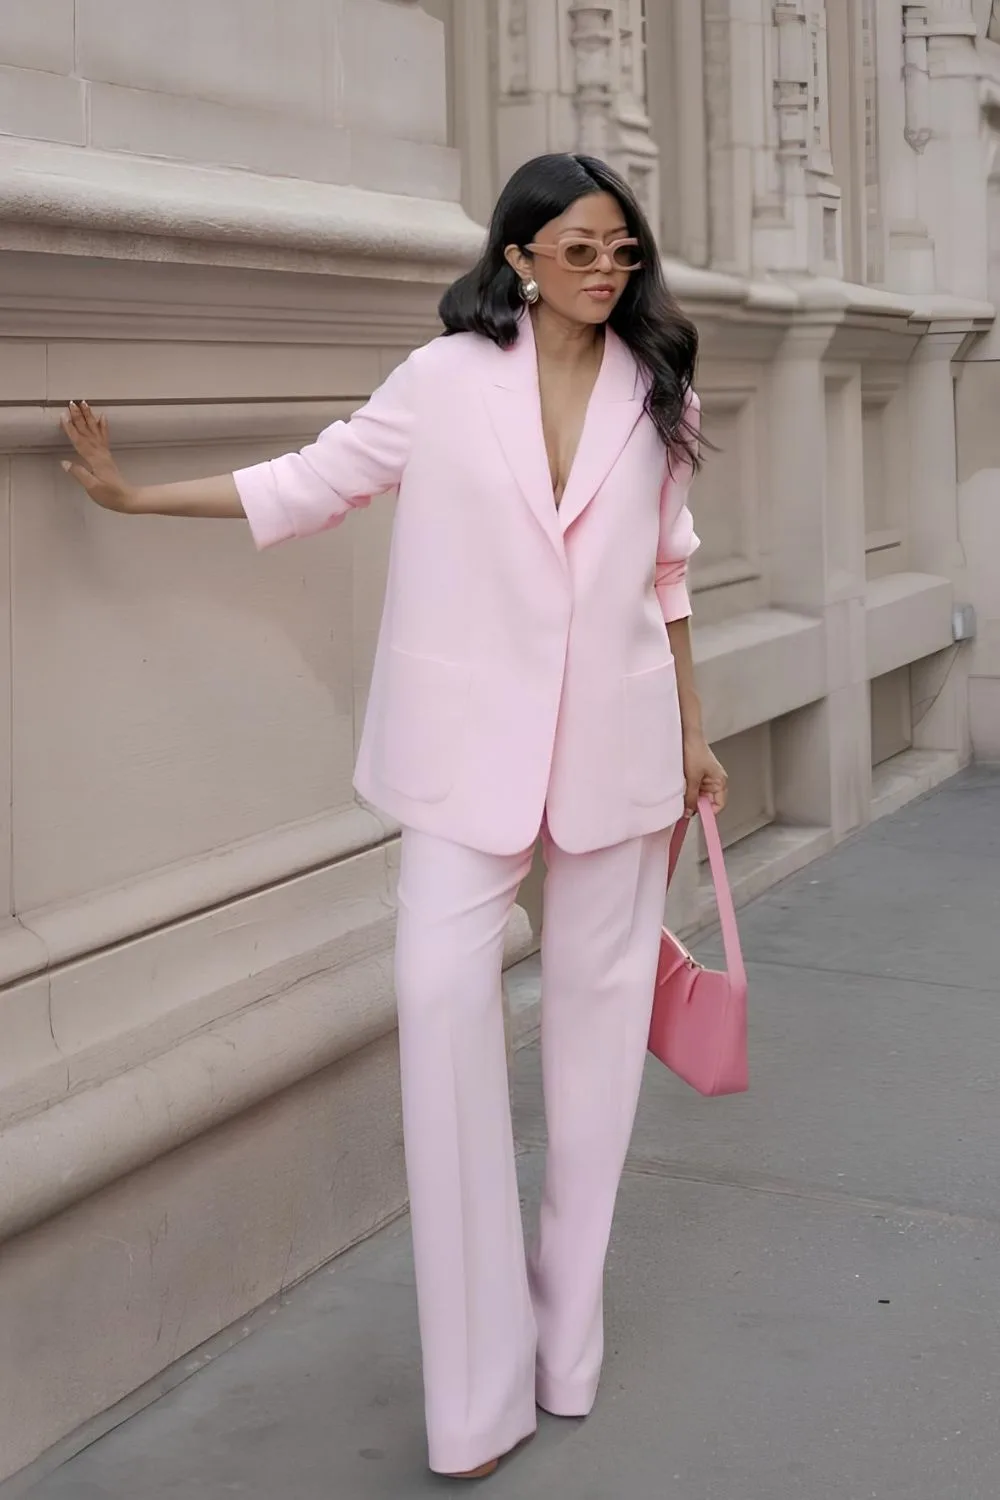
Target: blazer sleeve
x: 678, y: 541
x: 303, y: 493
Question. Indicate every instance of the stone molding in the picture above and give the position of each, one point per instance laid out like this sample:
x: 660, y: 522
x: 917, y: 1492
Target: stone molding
x: 37, y: 940
x: 35, y: 428
x: 66, y: 199
x: 57, y: 1156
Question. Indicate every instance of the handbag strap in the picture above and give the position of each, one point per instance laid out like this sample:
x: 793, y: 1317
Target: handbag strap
x: 723, y: 895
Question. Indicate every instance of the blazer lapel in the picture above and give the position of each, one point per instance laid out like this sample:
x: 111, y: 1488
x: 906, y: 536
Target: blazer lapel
x: 616, y: 404
x: 515, y: 409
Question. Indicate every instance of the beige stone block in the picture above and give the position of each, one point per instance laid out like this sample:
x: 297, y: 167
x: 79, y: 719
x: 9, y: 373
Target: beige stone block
x: 284, y: 62
x: 106, y: 1295
x: 984, y: 717
x: 28, y: 1043
x: 908, y: 616
x: 386, y: 165
x: 42, y: 106
x: 370, y: 538
x: 6, y: 894
x: 116, y: 1008
x: 979, y: 528
x: 891, y: 716
x: 199, y: 130
x: 846, y: 643
x: 747, y: 758
x: 756, y: 667
x: 850, y: 758
x: 22, y: 370
x: 395, y: 81
x: 726, y: 500
x: 822, y: 762
x: 39, y: 35
x: 174, y: 691
x: 801, y: 767
x: 186, y: 371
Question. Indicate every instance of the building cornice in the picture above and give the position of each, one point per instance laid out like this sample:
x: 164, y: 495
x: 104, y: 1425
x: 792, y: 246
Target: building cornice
x: 72, y: 201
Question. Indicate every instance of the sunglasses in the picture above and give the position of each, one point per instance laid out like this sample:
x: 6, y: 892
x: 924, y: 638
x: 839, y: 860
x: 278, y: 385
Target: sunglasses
x: 584, y: 254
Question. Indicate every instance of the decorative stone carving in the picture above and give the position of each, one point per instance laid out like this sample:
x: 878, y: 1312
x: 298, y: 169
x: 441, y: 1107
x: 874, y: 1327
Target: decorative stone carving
x: 874, y: 250
x: 609, y: 92
x: 513, y: 36
x: 952, y: 18
x: 592, y: 37
x: 916, y: 80
x: 791, y: 80
x: 636, y: 153
x: 717, y: 34
x: 802, y: 106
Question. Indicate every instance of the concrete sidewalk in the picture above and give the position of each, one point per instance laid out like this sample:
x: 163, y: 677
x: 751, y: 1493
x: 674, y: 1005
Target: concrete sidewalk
x: 804, y: 1285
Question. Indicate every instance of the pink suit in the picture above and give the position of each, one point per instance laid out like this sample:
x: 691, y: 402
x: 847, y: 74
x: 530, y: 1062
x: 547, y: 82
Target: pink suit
x: 523, y: 681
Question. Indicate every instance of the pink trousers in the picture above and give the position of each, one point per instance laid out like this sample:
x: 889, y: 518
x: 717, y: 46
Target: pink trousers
x: 500, y: 1333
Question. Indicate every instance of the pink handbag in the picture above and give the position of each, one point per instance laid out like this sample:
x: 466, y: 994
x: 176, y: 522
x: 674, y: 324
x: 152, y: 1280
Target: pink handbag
x: 699, y: 1023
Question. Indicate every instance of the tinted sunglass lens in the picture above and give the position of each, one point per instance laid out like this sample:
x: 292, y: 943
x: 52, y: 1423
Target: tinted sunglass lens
x: 580, y: 255
x: 627, y: 257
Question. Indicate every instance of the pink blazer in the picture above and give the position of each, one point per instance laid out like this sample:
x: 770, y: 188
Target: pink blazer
x: 523, y: 666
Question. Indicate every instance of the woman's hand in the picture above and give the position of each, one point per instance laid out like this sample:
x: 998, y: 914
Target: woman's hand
x: 98, y: 473
x: 704, y: 776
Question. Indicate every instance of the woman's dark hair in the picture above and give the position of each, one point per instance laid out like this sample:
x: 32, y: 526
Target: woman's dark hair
x: 662, y: 340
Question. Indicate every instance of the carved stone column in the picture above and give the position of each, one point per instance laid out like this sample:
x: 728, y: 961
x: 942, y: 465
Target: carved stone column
x: 609, y: 66
x: 954, y: 167
x: 874, y: 230
x: 937, y: 181
x: 592, y: 38
x: 916, y: 80
x: 801, y: 101
x: 636, y: 153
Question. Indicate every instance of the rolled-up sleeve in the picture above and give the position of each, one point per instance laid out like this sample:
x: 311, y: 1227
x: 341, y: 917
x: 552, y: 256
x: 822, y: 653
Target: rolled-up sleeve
x: 350, y: 462
x: 678, y: 541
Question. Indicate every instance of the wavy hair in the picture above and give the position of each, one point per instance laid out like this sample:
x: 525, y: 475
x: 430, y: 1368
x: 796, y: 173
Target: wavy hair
x: 664, y: 343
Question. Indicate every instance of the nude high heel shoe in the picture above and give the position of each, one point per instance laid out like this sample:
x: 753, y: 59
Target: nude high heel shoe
x: 483, y: 1472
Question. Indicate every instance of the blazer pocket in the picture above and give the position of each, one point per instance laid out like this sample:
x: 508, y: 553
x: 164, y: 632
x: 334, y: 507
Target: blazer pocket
x: 653, y: 751
x: 423, y: 726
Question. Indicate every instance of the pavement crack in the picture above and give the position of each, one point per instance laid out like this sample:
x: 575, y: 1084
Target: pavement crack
x: 830, y: 1197
x: 779, y: 1187
x: 806, y: 968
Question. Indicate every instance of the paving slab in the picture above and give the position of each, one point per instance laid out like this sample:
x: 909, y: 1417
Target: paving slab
x: 802, y: 1288
x: 881, y: 1089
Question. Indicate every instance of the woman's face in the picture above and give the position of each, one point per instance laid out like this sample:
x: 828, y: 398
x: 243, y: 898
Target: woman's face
x: 581, y: 296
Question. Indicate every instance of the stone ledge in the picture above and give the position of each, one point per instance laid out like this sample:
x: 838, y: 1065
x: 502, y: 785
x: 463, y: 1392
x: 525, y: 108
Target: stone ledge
x: 101, y: 919
x: 757, y: 666
x: 907, y: 617
x: 35, y: 428
x: 60, y: 1154
x: 912, y: 773
x: 138, y: 204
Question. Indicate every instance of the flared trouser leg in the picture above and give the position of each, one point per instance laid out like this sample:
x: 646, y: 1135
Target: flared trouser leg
x: 492, y: 1335
x: 476, y: 1323
x: 600, y: 944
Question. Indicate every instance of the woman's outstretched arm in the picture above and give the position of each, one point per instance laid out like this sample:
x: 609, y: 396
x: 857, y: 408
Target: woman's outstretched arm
x: 105, y: 483
x: 297, y: 494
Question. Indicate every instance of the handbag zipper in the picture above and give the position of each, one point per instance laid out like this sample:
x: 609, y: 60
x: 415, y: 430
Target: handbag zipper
x: 689, y: 958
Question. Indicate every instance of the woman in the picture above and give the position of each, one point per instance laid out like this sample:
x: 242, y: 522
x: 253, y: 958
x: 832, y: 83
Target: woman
x: 533, y: 674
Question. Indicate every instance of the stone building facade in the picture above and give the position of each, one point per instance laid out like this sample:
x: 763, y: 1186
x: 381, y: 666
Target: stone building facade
x: 225, y: 224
